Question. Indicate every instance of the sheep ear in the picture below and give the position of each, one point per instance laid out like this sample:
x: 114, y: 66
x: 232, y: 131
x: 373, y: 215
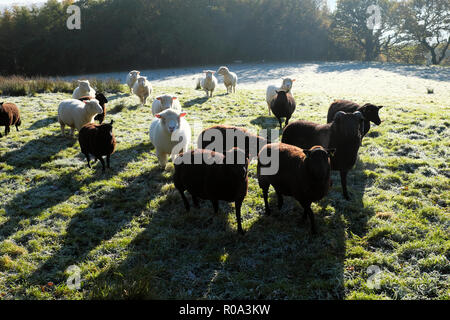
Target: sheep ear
x: 307, y: 153
x: 183, y: 114
x: 158, y: 98
x: 158, y: 116
x: 174, y: 98
x: 379, y: 107
x: 293, y: 80
x: 85, y: 101
x: 339, y: 114
x: 359, y: 114
x: 331, y: 151
x: 112, y: 121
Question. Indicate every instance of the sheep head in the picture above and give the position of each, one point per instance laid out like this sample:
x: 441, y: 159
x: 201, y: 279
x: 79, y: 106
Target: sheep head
x: 370, y: 113
x: 317, y: 162
x: 170, y: 119
x: 101, y: 98
x: 166, y: 100
x: 93, y: 106
x: 142, y: 80
x: 223, y: 70
x: 287, y: 84
x: 349, y: 124
x: 209, y: 73
x: 84, y: 84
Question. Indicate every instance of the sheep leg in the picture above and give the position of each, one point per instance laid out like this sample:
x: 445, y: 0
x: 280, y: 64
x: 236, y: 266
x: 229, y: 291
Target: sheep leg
x: 280, y: 200
x: 107, y: 161
x: 215, y: 204
x: 162, y: 158
x: 268, y: 105
x: 17, y: 127
x: 88, y: 158
x: 103, y: 163
x: 62, y: 128
x: 287, y: 122
x: 266, y: 201
x: 307, y: 212
x: 238, y: 205
x: 185, y: 200
x: 6, y: 130
x: 72, y: 130
x: 344, y: 184
x: 281, y: 123
x: 195, y: 200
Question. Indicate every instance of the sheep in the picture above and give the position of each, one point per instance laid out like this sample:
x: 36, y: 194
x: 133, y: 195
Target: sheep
x: 229, y: 79
x: 234, y: 137
x: 213, y: 176
x: 76, y: 113
x: 9, y: 116
x: 302, y: 174
x: 343, y: 134
x: 282, y: 106
x: 142, y: 88
x: 131, y: 79
x: 208, y: 82
x: 164, y: 102
x: 97, y: 140
x: 369, y: 111
x: 84, y: 89
x: 102, y: 101
x: 169, y: 133
x: 272, y: 90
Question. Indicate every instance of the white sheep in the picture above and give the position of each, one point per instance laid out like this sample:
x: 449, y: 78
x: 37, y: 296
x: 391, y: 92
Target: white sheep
x: 170, y: 133
x: 84, y: 89
x: 208, y: 82
x: 229, y: 79
x: 164, y: 102
x: 75, y: 113
x: 142, y: 88
x: 131, y: 79
x: 272, y: 90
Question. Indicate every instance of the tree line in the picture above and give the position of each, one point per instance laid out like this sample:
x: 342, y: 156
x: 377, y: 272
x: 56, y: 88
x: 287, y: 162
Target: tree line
x: 119, y: 34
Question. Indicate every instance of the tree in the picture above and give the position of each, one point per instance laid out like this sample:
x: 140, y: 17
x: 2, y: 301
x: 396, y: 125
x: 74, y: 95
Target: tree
x: 427, y: 22
x: 366, y: 24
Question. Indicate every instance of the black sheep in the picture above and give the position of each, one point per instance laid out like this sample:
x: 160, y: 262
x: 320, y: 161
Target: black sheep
x: 282, y: 106
x: 343, y: 134
x: 302, y: 174
x: 213, y: 176
x: 9, y: 116
x: 97, y: 140
x: 369, y: 111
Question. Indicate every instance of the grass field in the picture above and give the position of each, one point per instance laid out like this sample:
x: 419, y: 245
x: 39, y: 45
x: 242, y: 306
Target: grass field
x: 129, y: 234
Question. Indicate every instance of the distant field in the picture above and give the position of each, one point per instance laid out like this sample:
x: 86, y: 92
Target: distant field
x: 128, y: 232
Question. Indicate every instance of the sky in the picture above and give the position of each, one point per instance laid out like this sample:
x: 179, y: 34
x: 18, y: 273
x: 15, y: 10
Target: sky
x: 6, y: 3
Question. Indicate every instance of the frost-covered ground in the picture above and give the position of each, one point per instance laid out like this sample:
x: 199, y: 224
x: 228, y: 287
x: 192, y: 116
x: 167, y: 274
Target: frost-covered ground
x: 334, y: 78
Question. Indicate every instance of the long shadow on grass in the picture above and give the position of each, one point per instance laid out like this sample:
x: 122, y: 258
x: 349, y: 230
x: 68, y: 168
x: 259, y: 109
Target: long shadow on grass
x: 36, y: 152
x: 57, y: 189
x: 43, y: 123
x: 192, y: 102
x: 176, y: 256
x: 105, y: 217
